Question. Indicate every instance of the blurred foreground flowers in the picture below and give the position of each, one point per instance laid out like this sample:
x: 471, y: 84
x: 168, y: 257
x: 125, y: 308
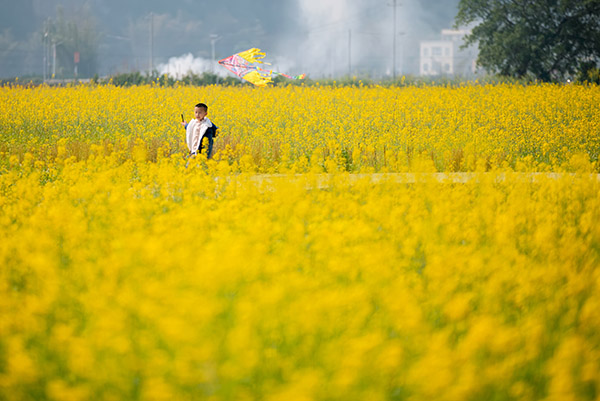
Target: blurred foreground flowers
x: 127, y: 276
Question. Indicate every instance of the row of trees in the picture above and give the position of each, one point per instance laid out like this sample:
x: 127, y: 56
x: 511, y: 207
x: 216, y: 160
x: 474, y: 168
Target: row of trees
x: 547, y: 40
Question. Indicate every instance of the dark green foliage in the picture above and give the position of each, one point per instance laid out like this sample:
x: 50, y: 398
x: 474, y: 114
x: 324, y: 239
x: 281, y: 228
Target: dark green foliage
x: 137, y: 78
x: 548, y: 40
x: 207, y: 78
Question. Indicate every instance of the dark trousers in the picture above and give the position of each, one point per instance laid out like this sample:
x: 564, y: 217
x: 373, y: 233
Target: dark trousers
x: 208, y: 134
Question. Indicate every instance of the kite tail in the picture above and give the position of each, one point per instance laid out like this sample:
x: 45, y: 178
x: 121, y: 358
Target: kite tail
x: 271, y: 72
x: 301, y: 76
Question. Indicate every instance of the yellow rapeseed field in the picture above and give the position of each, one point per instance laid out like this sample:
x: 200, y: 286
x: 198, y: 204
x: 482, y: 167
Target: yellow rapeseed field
x: 125, y: 275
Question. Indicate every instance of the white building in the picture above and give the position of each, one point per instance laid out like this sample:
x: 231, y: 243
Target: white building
x: 445, y: 57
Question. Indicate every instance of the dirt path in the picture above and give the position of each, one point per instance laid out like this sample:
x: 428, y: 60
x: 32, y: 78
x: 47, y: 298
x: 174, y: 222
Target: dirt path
x: 325, y: 180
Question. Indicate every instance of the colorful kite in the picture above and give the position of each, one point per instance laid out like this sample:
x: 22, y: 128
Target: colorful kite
x: 241, y: 64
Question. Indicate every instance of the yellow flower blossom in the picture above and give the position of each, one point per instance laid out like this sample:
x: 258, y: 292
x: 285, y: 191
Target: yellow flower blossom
x: 286, y: 267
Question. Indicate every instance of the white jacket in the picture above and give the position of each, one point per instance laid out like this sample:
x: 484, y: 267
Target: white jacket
x: 194, y: 132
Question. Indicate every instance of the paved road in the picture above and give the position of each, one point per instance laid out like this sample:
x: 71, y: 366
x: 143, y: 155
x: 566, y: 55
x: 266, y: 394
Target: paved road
x: 325, y: 180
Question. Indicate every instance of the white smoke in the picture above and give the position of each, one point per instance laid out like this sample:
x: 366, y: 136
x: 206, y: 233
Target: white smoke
x: 344, y: 38
x: 357, y: 37
x: 326, y: 23
x: 336, y: 38
x: 178, y: 67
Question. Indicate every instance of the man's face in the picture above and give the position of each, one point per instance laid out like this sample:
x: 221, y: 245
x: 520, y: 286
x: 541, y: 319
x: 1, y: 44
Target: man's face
x: 199, y: 113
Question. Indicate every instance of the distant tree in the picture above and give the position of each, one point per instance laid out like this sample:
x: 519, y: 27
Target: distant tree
x: 547, y: 40
x: 71, y: 36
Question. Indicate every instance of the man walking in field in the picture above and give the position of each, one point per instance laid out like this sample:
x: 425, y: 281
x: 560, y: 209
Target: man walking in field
x: 199, y: 128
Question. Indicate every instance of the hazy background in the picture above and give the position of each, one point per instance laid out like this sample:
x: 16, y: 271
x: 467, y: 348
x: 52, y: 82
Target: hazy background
x: 323, y: 38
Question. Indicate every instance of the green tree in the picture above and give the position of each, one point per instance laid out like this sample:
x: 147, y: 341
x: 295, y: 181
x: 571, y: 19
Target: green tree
x: 71, y: 36
x: 548, y: 40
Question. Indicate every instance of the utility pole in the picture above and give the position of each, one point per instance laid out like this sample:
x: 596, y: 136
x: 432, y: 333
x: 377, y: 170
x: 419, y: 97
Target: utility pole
x: 151, y: 63
x: 394, y: 62
x: 349, y: 52
x: 54, y: 44
x: 401, y: 69
x: 54, y: 59
x: 46, y: 52
x: 394, y: 5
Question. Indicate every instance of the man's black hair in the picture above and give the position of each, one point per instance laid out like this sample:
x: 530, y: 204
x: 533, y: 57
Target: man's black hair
x: 203, y: 106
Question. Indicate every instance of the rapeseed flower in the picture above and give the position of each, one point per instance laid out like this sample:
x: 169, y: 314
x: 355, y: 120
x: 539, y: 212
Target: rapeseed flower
x: 126, y: 275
